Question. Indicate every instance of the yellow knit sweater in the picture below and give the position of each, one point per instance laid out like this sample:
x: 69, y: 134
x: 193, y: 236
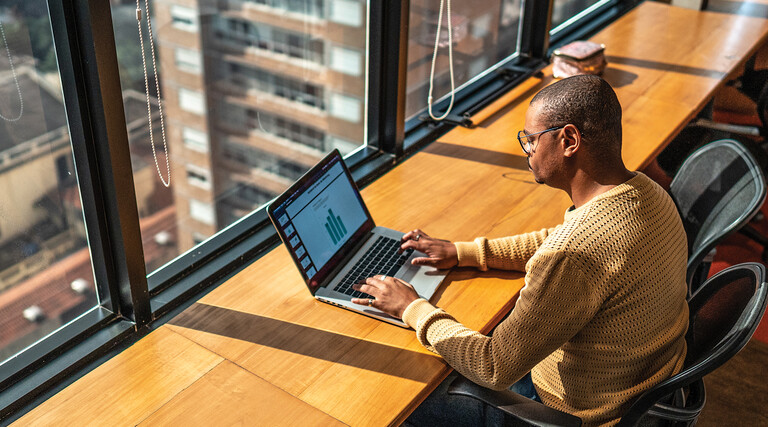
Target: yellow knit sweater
x: 602, y: 316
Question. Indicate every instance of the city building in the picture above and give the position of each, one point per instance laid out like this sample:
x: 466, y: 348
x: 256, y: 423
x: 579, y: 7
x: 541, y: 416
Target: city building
x: 255, y: 92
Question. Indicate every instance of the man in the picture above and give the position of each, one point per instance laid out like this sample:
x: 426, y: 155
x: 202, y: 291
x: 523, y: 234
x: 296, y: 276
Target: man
x: 602, y: 315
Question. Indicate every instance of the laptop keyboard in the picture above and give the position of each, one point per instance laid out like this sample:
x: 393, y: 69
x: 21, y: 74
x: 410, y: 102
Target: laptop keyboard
x: 381, y: 258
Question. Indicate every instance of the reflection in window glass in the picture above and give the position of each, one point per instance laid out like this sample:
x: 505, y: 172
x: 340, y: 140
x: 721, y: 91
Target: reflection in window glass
x: 46, y: 277
x: 484, y: 33
x: 247, y: 90
x: 564, y: 10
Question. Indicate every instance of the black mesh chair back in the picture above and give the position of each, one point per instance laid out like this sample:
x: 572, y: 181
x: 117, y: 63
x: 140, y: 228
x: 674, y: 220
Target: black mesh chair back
x: 718, y: 189
x: 724, y: 314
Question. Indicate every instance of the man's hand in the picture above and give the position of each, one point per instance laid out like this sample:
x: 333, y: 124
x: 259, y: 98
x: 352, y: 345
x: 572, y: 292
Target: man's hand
x: 392, y: 296
x: 440, y: 253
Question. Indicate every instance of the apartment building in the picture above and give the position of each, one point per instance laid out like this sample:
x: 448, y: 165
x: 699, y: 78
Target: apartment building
x: 255, y: 92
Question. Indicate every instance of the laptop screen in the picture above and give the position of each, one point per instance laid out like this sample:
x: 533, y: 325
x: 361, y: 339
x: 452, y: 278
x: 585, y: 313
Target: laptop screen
x: 320, y: 218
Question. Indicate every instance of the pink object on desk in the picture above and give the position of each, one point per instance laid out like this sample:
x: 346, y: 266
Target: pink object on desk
x: 579, y: 57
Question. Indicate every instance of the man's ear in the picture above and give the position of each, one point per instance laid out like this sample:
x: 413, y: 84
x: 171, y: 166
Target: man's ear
x: 571, y: 140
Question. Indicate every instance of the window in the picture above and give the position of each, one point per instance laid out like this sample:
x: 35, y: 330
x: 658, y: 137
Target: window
x: 191, y: 101
x: 347, y: 12
x: 484, y: 32
x: 270, y: 125
x: 195, y: 139
x: 305, y: 7
x: 48, y: 273
x: 262, y: 36
x: 184, y: 18
x: 198, y: 177
x: 285, y: 87
x: 263, y: 161
x: 188, y: 60
x: 253, y: 195
x: 256, y: 144
x: 345, y: 107
x: 202, y: 212
x: 346, y: 61
x: 564, y: 11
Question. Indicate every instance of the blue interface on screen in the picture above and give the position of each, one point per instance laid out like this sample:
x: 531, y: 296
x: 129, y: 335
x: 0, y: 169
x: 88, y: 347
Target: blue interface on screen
x: 321, y: 218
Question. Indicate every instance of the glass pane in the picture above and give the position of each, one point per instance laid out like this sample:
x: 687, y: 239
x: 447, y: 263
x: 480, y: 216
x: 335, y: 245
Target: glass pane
x: 484, y: 32
x: 46, y: 276
x: 564, y: 10
x: 254, y: 92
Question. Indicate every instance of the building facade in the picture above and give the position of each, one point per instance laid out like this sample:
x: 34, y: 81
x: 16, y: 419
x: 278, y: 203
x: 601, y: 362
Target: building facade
x: 255, y: 92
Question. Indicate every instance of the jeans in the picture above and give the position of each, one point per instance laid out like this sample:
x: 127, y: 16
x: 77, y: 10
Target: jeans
x: 442, y: 409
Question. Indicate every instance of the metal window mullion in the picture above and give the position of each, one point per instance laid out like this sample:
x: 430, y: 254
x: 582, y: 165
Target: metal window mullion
x: 534, y: 31
x: 96, y: 116
x: 388, y: 65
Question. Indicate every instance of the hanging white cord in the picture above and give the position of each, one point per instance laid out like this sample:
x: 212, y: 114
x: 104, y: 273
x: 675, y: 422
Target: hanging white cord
x: 434, y: 59
x: 157, y: 87
x: 15, y: 79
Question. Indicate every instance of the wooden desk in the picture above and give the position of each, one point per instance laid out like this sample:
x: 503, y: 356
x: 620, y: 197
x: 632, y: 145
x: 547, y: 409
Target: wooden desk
x: 259, y: 350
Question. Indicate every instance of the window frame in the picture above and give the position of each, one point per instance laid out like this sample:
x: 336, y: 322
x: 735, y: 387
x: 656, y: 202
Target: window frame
x: 108, y: 210
x: 131, y: 302
x: 589, y: 23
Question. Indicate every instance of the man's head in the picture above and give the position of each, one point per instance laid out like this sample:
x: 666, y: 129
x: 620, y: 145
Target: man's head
x: 585, y: 116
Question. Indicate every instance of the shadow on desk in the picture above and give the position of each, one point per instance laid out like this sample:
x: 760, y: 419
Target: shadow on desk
x: 663, y: 66
x: 480, y: 155
x: 738, y: 8
x: 618, y: 78
x: 304, y: 340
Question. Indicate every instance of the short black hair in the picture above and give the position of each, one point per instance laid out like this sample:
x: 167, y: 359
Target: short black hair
x: 589, y: 103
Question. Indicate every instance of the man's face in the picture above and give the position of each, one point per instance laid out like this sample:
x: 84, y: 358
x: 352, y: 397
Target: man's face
x: 543, y: 161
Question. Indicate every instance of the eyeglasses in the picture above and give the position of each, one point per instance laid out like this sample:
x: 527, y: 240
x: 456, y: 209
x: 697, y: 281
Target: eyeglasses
x: 526, y: 140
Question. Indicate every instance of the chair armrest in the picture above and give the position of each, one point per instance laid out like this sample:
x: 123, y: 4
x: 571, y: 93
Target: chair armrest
x: 520, y: 407
x: 688, y: 412
x: 726, y: 127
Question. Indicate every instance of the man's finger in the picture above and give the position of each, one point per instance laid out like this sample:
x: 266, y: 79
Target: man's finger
x: 377, y: 281
x: 362, y: 301
x: 424, y: 261
x: 368, y: 289
x: 410, y: 244
x: 413, y: 235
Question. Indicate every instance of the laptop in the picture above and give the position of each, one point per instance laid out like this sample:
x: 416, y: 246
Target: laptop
x: 334, y: 242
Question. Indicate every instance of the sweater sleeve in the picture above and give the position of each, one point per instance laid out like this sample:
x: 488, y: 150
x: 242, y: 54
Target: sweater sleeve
x: 506, y: 253
x: 555, y: 303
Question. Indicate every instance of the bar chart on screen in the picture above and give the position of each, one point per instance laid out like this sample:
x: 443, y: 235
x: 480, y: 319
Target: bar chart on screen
x: 327, y: 216
x: 335, y: 227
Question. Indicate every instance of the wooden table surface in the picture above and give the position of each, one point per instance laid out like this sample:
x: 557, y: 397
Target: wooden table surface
x: 260, y: 350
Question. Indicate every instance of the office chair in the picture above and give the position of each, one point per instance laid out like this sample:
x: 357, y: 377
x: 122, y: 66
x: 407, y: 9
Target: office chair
x: 724, y: 314
x: 717, y: 190
x: 754, y: 84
